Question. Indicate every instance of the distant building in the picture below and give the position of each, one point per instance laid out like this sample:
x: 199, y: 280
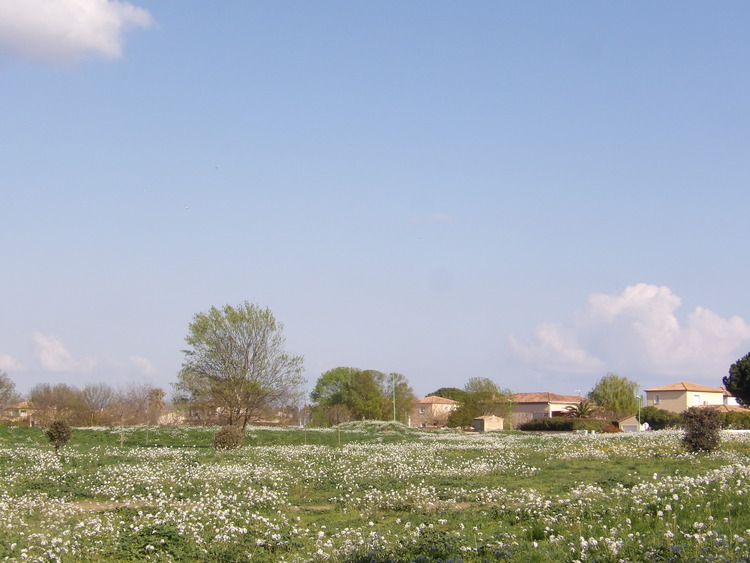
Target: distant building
x: 528, y: 406
x: 432, y: 412
x: 677, y: 397
x: 488, y: 423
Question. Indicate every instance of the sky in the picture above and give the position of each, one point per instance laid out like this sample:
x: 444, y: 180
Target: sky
x: 539, y: 193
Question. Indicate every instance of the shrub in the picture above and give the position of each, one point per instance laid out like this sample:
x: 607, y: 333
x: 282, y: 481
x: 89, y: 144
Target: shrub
x: 702, y: 427
x: 229, y: 438
x: 736, y: 420
x: 564, y: 424
x: 659, y: 419
x: 59, y: 432
x: 611, y: 428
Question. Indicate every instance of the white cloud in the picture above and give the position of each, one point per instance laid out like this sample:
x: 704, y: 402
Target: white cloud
x: 53, y: 356
x: 9, y: 364
x: 143, y: 365
x: 66, y: 30
x: 637, y: 332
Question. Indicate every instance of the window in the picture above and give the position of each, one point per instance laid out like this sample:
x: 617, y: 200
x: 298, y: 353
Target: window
x: 657, y: 399
x: 422, y: 410
x: 696, y: 400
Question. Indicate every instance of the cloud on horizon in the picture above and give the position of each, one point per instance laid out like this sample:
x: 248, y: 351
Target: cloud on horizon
x: 143, y: 365
x: 637, y: 332
x: 53, y: 356
x: 8, y: 363
x: 63, y: 31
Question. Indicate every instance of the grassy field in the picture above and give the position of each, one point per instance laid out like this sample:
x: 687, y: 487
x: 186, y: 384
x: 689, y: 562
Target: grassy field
x: 371, y: 492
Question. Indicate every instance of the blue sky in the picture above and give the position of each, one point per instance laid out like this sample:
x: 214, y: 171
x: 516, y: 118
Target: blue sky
x: 538, y: 193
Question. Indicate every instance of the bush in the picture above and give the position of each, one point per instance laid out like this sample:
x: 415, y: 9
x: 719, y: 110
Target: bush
x: 229, y: 438
x: 564, y: 424
x: 659, y: 419
x: 59, y: 432
x: 611, y: 429
x: 702, y: 427
x: 736, y: 420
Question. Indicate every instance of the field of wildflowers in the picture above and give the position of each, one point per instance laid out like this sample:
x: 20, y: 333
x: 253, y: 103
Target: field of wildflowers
x: 372, y: 493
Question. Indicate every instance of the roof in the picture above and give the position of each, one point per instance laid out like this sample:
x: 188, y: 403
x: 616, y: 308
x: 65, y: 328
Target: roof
x: 435, y: 400
x: 726, y: 408
x: 687, y: 386
x: 545, y: 398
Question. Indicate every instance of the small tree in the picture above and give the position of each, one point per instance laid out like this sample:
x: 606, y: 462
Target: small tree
x: 615, y: 395
x: 738, y: 380
x: 229, y: 438
x: 702, y: 429
x: 584, y: 409
x: 59, y: 432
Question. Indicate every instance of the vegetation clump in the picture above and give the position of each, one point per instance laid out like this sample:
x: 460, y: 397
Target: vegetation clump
x: 59, y: 432
x: 229, y: 438
x: 702, y: 429
x: 660, y: 419
x: 564, y: 424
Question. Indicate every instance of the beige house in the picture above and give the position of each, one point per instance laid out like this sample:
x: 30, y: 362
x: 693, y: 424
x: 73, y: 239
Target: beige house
x: 432, y: 412
x: 528, y: 406
x: 488, y: 423
x: 677, y: 397
x: 18, y: 413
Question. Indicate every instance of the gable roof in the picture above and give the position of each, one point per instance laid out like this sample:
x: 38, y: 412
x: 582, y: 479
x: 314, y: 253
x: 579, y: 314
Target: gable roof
x: 545, y: 398
x: 687, y: 386
x: 435, y: 400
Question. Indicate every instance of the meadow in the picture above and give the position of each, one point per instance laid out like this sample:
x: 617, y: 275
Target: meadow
x: 371, y: 492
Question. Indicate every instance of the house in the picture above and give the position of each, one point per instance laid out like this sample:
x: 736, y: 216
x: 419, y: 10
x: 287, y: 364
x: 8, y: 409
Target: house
x: 528, y: 406
x: 18, y: 413
x: 630, y: 424
x: 677, y: 397
x: 488, y: 423
x: 432, y: 411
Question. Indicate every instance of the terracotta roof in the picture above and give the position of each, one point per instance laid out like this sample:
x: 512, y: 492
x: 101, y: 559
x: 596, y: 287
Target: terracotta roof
x: 435, y: 400
x: 545, y: 398
x: 687, y: 386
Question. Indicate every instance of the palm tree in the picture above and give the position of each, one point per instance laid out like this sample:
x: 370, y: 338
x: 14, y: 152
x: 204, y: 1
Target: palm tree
x: 584, y: 409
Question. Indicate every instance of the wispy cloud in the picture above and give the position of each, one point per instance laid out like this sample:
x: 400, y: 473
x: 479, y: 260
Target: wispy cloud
x: 60, y: 31
x: 9, y: 364
x: 143, y: 365
x: 53, y: 356
x: 637, y: 331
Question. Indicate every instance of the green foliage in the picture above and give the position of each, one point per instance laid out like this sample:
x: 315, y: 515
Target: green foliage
x: 584, y: 409
x: 481, y: 397
x: 738, y: 380
x: 229, y: 438
x: 236, y: 364
x: 452, y: 393
x: 736, y: 420
x: 345, y: 393
x: 153, y: 541
x: 659, y: 419
x: 564, y: 424
x: 616, y: 395
x: 59, y: 432
x: 702, y: 429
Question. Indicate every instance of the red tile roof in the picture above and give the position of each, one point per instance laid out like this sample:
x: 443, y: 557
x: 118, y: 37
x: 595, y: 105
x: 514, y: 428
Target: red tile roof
x: 435, y: 400
x: 546, y: 398
x: 687, y: 386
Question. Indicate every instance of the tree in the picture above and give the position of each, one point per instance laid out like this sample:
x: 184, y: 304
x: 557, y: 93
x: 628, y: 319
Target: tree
x: 8, y: 393
x: 53, y: 402
x: 702, y: 429
x: 659, y: 419
x: 482, y: 396
x: 738, y: 380
x: 584, y: 409
x: 59, y: 432
x: 97, y: 399
x: 346, y: 393
x: 452, y: 393
x: 236, y: 363
x: 615, y: 395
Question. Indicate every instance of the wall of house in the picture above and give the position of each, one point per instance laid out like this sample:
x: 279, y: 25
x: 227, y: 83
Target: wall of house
x: 678, y: 401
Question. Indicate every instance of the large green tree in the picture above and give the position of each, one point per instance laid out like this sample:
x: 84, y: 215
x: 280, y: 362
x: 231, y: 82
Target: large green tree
x: 346, y: 393
x: 615, y: 395
x: 738, y: 380
x: 482, y: 397
x: 236, y: 364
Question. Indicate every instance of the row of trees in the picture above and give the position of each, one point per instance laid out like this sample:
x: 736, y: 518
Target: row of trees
x: 93, y: 405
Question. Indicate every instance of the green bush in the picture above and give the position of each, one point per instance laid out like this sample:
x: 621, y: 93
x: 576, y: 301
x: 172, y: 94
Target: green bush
x: 59, y: 432
x: 702, y: 429
x: 736, y: 420
x: 564, y: 424
x: 229, y: 438
x: 659, y: 419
